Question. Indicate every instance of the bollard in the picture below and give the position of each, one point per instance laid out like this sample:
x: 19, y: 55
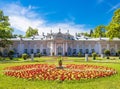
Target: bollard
x: 86, y: 57
x: 32, y: 57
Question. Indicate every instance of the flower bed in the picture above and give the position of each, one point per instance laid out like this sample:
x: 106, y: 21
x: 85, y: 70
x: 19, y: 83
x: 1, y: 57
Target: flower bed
x: 50, y: 72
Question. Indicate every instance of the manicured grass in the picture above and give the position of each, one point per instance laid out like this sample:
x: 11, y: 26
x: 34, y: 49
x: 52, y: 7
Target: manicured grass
x: 112, y: 82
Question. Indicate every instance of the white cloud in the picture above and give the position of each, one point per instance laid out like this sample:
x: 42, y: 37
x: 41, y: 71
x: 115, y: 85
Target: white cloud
x: 23, y: 17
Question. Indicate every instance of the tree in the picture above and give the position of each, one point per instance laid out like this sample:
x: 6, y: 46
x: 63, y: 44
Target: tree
x: 107, y: 53
x: 5, y: 30
x: 94, y: 55
x: 99, y: 31
x: 79, y: 54
x: 31, y: 32
x: 10, y: 54
x: 113, y: 29
x: 24, y: 56
x: 91, y: 33
x: 118, y: 53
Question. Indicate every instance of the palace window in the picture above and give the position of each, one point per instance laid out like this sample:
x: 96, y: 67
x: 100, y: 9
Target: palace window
x: 25, y: 50
x: 44, y: 51
x: 80, y: 50
x: 92, y: 50
x: 38, y: 50
x: 87, y: 50
x: 74, y: 51
x: 32, y: 50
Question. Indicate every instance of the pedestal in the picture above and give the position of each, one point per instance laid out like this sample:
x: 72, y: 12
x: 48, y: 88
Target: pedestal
x: 102, y: 55
x: 32, y: 57
x: 86, y: 57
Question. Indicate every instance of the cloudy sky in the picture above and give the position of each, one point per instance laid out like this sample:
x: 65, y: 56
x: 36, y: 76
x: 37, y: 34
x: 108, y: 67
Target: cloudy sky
x: 46, y: 15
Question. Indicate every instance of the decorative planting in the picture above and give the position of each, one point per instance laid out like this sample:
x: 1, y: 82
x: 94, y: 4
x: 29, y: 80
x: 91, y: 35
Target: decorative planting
x: 50, y: 72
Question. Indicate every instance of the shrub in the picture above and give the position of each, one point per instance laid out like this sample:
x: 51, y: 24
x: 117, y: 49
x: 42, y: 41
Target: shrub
x: 94, y: 55
x: 118, y: 53
x: 10, y: 54
x: 39, y: 55
x: 107, y: 53
x: 60, y: 61
x: 24, y: 56
x: 79, y: 54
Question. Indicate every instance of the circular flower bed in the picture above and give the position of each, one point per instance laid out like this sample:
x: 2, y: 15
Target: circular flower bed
x: 50, y: 72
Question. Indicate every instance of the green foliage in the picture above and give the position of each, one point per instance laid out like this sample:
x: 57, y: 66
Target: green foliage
x: 99, y: 31
x: 10, y: 54
x: 91, y: 33
x: 113, y: 29
x: 94, y: 55
x: 24, y: 56
x: 31, y: 32
x: 39, y: 55
x: 60, y: 60
x: 118, y: 53
x: 5, y: 30
x: 79, y: 54
x: 107, y: 53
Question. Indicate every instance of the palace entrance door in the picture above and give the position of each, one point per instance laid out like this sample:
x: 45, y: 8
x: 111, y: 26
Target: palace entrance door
x: 59, y: 50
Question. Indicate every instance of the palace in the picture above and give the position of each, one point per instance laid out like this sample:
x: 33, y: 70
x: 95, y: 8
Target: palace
x: 62, y: 44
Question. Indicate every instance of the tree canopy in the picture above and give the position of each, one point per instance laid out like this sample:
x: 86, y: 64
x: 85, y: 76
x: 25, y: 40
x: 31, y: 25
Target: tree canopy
x: 113, y: 29
x: 31, y: 32
x: 99, y: 31
x: 5, y: 30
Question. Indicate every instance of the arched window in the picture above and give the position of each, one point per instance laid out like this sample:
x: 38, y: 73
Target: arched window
x: 80, y: 50
x: 38, y: 50
x: 103, y: 50
x: 87, y: 50
x: 112, y: 51
x: 92, y: 50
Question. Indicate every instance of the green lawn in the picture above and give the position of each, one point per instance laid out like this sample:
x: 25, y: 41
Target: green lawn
x: 112, y: 82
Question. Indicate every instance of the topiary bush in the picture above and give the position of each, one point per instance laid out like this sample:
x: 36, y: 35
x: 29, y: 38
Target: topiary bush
x: 107, y: 53
x: 10, y: 54
x: 24, y: 56
x: 94, y: 55
x: 39, y: 55
x: 118, y: 53
x: 79, y: 54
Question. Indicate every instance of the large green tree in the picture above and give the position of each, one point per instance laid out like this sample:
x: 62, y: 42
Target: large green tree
x: 99, y: 31
x: 31, y: 32
x: 113, y: 29
x: 5, y: 30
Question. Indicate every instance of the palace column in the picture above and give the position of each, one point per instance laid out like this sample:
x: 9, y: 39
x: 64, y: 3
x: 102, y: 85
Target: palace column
x: 89, y: 48
x: 51, y: 48
x: 55, y: 49
x: 108, y: 46
x: 63, y: 49
x: 116, y: 48
x: 66, y: 47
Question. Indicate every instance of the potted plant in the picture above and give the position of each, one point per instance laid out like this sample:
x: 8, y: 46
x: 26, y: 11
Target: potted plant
x: 60, y: 61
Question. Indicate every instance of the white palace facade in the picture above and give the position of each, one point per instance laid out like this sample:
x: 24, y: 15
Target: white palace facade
x: 62, y: 44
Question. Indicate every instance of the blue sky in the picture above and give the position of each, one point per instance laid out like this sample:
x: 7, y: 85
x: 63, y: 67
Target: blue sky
x: 46, y: 15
